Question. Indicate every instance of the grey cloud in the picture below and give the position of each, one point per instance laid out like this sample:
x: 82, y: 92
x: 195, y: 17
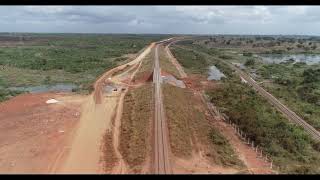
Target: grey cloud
x: 162, y: 19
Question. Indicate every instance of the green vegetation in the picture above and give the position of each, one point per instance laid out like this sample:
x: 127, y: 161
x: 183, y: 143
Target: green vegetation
x: 33, y: 59
x: 290, y: 146
x: 249, y: 62
x: 135, y: 126
x: 296, y: 85
x: 194, y: 63
x: 166, y: 64
x: 259, y: 44
x: 227, y: 155
x: 6, y: 94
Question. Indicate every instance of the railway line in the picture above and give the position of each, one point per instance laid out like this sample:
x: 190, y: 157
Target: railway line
x: 291, y: 116
x: 161, y: 161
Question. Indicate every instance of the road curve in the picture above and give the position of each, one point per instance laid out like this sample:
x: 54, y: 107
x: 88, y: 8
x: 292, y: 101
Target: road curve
x: 161, y: 145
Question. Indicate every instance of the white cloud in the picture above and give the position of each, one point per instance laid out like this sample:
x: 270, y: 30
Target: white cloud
x: 162, y: 19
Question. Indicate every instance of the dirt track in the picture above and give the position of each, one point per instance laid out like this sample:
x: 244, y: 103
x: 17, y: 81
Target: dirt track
x: 98, y: 111
x: 175, y: 62
x: 60, y: 138
x: 162, y: 163
x: 254, y: 164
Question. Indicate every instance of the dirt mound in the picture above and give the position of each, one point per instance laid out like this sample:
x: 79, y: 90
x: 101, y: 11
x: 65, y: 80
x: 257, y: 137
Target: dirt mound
x: 198, y: 82
x: 145, y: 77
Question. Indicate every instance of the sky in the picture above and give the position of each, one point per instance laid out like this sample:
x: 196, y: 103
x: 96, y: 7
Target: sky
x: 293, y: 20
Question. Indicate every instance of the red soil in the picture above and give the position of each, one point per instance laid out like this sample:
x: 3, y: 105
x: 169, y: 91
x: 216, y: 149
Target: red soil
x: 33, y: 132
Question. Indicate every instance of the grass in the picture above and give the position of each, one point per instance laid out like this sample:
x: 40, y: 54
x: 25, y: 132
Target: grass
x: 135, y: 126
x: 179, y: 114
x: 188, y: 127
x: 7, y: 94
x: 223, y: 148
x: 288, y: 145
x: 192, y: 62
x: 166, y: 64
x: 287, y: 84
x: 146, y: 66
x: 64, y: 58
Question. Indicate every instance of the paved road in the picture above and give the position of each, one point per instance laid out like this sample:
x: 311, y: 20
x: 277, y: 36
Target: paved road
x: 291, y: 116
x: 161, y: 146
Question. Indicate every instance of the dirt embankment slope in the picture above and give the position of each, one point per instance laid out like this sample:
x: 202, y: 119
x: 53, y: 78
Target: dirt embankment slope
x: 85, y: 155
x: 245, y: 153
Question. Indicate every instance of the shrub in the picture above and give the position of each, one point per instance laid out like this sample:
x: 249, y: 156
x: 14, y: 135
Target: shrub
x: 249, y: 62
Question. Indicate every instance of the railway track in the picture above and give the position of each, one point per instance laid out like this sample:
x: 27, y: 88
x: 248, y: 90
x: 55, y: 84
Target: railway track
x: 161, y: 145
x: 291, y: 116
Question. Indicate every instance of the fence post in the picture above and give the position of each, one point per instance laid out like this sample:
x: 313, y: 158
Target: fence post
x: 266, y: 158
x: 257, y: 149
x: 271, y: 164
x: 261, y: 153
x: 252, y: 144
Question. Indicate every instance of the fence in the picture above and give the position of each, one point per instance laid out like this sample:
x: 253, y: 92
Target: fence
x: 243, y: 136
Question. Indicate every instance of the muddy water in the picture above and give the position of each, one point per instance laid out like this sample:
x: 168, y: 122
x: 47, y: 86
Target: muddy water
x: 215, y: 73
x: 46, y: 88
x: 278, y: 58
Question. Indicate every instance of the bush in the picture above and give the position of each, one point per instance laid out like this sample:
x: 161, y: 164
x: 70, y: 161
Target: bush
x: 263, y: 124
x: 311, y: 75
x: 249, y: 54
x: 249, y: 62
x: 225, y: 57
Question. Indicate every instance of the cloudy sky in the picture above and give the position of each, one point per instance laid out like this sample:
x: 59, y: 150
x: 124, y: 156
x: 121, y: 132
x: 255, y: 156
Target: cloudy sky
x: 300, y: 20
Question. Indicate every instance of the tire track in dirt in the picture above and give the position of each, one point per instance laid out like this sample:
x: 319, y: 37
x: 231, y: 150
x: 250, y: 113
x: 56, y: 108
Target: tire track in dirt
x: 122, y: 167
x: 97, y: 113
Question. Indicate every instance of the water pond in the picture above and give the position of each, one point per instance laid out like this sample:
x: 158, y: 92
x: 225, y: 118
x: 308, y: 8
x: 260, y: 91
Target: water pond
x: 46, y: 88
x: 215, y: 73
x: 278, y: 58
